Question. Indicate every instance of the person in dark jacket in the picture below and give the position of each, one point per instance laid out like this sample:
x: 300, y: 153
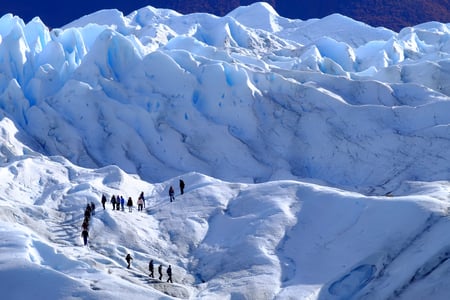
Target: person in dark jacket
x: 88, y: 208
x: 181, y: 186
x: 113, y: 202
x: 103, y: 201
x: 130, y: 204
x: 87, y: 214
x: 171, y: 194
x: 160, y: 272
x: 85, y: 235
x: 128, y: 258
x: 169, y: 274
x: 85, y: 225
x: 150, y: 268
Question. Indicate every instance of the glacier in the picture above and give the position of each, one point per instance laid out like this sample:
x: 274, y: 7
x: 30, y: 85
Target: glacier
x: 316, y: 154
x: 255, y: 80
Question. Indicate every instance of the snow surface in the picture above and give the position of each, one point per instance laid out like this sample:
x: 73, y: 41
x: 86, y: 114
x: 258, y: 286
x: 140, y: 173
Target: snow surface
x: 315, y: 155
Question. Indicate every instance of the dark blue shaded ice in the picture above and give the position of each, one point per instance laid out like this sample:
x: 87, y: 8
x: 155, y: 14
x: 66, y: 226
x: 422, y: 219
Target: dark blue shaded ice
x: 354, y: 281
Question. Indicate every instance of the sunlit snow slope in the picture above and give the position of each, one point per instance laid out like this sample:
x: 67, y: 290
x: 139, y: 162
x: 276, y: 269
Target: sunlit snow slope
x: 316, y: 156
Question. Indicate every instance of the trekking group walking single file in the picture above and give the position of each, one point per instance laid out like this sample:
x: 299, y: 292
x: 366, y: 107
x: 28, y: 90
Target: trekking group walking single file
x: 118, y: 203
x: 89, y: 212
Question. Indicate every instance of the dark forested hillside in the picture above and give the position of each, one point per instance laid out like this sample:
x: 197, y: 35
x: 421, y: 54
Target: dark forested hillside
x: 393, y: 14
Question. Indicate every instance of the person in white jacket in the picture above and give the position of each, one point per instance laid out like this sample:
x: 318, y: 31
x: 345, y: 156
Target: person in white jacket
x: 140, y: 204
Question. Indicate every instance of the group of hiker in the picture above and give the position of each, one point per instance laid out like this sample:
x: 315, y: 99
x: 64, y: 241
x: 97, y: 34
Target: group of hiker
x: 128, y: 258
x: 118, y: 204
x: 172, y: 191
x: 88, y: 212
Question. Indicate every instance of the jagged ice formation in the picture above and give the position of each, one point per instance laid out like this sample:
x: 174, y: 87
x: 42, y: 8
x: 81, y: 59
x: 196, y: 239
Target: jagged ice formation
x: 253, y: 76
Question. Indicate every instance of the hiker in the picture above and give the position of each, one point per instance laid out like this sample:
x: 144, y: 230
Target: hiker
x: 130, y: 204
x: 88, y: 208
x: 92, y: 208
x: 140, y: 204
x: 85, y: 235
x: 141, y: 196
x: 128, y: 258
x: 171, y: 194
x: 150, y: 268
x: 160, y: 272
x: 87, y: 214
x: 85, y: 224
x: 120, y: 203
x: 181, y: 186
x: 169, y: 273
x: 103, y: 201
x: 113, y: 202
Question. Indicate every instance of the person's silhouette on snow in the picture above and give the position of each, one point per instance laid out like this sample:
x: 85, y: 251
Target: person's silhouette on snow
x: 181, y: 186
x: 130, y: 204
x: 150, y: 268
x: 103, y: 201
x: 85, y: 235
x: 128, y: 258
x: 171, y: 194
x: 85, y: 225
x: 169, y: 273
x: 160, y: 272
x: 113, y: 202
